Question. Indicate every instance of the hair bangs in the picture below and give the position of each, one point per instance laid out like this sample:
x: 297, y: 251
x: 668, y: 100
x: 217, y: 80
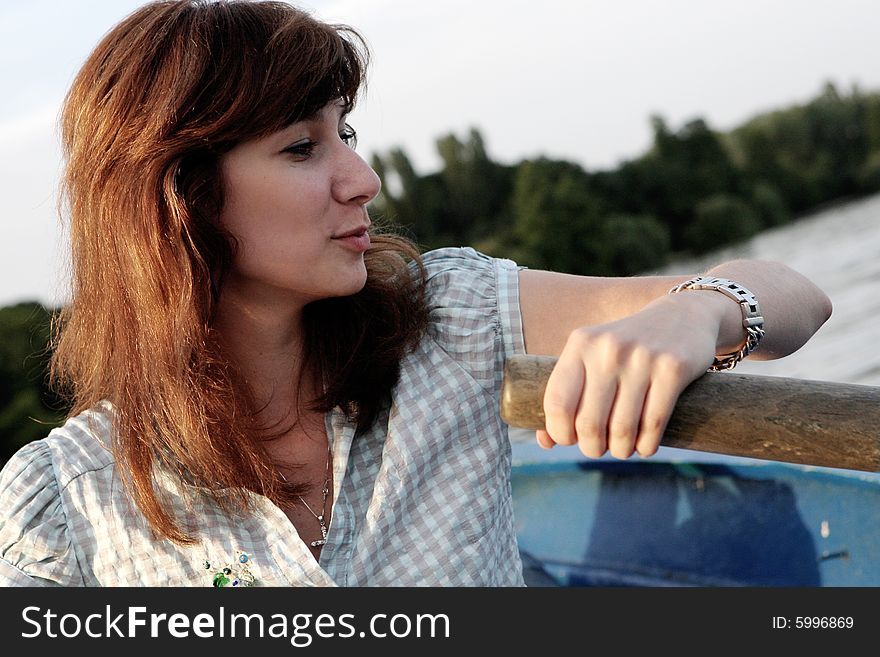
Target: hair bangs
x: 265, y: 65
x: 313, y: 66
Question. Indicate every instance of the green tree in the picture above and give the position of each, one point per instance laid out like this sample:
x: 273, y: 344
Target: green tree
x: 28, y: 409
x: 721, y: 220
x: 556, y: 220
x: 466, y: 201
x: 633, y: 244
x: 814, y: 153
x: 477, y: 188
x: 682, y: 167
x: 869, y: 174
x: 407, y: 199
x: 770, y: 205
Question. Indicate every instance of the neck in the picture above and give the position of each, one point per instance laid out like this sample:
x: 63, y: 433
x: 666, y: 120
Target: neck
x: 264, y: 338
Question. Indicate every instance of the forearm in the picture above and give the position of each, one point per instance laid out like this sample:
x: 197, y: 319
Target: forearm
x: 553, y: 305
x: 793, y: 308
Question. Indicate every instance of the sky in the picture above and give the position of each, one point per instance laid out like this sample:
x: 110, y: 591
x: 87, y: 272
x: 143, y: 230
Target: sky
x: 569, y: 79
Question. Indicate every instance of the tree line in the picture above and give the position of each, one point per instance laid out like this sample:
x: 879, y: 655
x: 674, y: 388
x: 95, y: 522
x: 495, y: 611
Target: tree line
x: 693, y: 190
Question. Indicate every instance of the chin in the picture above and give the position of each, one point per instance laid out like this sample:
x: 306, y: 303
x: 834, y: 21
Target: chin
x: 355, y: 283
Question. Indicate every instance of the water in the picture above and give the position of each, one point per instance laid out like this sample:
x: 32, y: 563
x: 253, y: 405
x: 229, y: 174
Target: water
x: 839, y: 250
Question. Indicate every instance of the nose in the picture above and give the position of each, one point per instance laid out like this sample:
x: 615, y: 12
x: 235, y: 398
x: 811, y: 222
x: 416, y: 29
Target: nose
x: 356, y: 182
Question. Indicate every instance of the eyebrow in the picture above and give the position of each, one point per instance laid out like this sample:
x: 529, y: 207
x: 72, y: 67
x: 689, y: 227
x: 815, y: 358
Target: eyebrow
x: 314, y: 117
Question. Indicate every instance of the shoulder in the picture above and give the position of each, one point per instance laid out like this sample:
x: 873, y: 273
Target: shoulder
x: 35, y: 543
x: 82, y: 444
x: 473, y: 310
x: 443, y: 265
x: 463, y: 279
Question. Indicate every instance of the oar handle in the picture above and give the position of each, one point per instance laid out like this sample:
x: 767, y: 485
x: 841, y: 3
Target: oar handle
x: 767, y: 417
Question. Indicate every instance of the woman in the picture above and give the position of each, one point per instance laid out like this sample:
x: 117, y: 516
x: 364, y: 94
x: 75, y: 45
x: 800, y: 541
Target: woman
x: 266, y: 390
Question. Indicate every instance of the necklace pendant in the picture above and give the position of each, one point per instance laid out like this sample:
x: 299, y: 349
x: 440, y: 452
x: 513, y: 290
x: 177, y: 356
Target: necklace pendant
x: 323, y: 532
x: 318, y: 543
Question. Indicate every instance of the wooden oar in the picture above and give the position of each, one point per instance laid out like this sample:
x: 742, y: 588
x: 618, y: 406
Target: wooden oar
x: 766, y: 417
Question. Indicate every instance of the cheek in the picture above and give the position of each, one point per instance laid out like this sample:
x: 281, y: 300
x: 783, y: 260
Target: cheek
x: 246, y: 204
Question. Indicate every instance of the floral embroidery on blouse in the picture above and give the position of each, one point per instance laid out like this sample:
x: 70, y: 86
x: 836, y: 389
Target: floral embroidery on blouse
x: 237, y: 573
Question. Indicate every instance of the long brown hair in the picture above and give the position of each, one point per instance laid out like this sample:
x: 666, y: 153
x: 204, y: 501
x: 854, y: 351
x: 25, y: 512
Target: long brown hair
x: 163, y: 96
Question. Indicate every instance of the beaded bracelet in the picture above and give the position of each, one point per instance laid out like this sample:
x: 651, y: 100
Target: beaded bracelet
x: 753, y: 321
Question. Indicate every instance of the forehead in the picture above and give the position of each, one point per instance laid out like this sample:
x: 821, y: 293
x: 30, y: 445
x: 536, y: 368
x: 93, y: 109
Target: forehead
x: 331, y: 115
x: 334, y: 111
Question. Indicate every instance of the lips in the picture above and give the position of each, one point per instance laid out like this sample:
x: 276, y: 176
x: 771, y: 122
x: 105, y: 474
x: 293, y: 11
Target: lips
x: 354, y: 232
x: 356, y: 239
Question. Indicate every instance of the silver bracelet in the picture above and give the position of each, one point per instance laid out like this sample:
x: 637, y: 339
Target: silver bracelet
x: 753, y: 321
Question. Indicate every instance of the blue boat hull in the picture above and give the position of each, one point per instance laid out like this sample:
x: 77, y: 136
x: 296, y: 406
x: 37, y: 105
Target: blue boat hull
x: 646, y: 523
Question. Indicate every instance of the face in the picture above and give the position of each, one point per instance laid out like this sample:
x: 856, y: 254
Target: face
x: 295, y: 201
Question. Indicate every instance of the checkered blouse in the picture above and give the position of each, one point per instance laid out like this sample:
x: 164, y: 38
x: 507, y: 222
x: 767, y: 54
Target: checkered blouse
x: 422, y: 499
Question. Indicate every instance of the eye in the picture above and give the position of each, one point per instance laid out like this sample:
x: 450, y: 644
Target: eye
x: 349, y: 136
x: 301, y: 149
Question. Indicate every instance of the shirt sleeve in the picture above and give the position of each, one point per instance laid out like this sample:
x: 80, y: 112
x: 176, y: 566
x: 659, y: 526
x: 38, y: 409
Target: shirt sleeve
x: 35, y: 545
x: 474, y: 312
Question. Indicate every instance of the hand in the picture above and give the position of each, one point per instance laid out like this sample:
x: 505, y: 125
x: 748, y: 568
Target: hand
x: 615, y: 385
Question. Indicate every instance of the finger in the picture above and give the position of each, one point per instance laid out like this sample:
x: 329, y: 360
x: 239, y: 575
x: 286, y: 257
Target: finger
x: 592, y: 416
x: 625, y: 416
x: 544, y: 439
x: 561, y: 399
x: 660, y: 400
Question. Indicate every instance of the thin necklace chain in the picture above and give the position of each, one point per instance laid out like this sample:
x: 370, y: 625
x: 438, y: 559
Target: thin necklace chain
x: 325, y: 490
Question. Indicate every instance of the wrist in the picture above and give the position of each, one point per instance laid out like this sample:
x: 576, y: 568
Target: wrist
x: 718, y: 316
x: 740, y: 321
